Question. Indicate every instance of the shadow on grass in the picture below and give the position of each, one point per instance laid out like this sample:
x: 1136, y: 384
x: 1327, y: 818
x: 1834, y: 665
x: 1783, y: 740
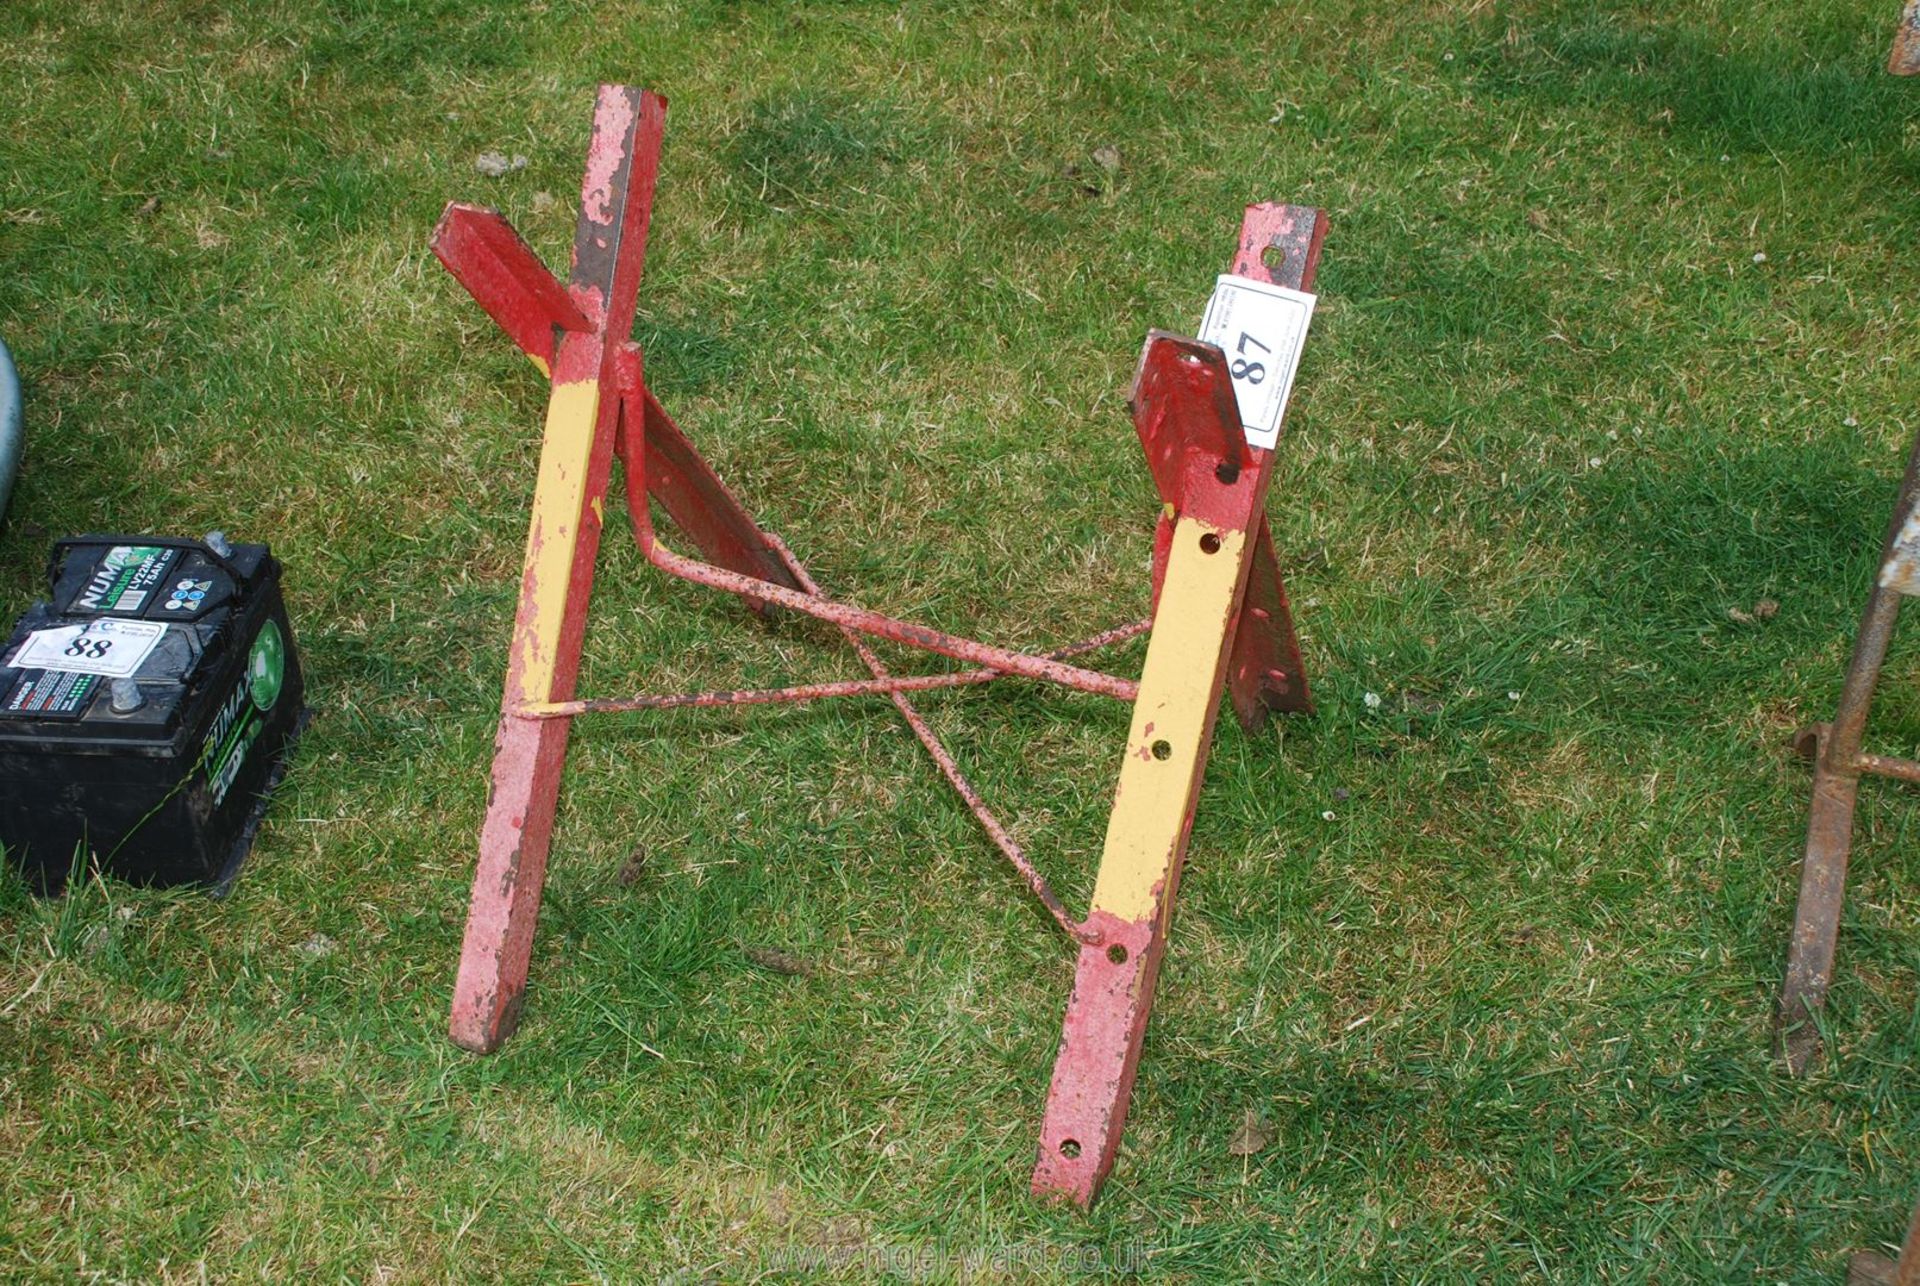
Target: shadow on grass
x: 795, y: 146
x: 1678, y: 554
x: 363, y: 43
x: 1817, y: 87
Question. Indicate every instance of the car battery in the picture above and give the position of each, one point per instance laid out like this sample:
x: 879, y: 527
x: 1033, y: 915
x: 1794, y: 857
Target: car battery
x: 146, y: 711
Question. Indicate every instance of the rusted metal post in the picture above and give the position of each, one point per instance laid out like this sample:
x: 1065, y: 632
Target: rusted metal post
x: 1904, y: 60
x: 1870, y: 1268
x: 1838, y: 763
x: 1215, y: 486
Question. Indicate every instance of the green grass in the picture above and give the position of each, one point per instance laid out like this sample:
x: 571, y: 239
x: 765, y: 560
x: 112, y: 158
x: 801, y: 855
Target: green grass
x: 1506, y: 1013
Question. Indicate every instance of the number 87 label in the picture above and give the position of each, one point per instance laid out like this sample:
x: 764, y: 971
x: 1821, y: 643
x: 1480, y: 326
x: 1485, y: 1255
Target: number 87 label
x: 1261, y: 328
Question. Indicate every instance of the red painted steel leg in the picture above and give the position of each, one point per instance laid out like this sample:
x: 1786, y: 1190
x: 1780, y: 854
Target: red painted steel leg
x: 1160, y: 779
x: 1266, y: 673
x: 686, y: 486
x: 1099, y: 1057
x: 529, y: 753
x: 562, y: 539
x: 484, y: 254
x: 1195, y: 446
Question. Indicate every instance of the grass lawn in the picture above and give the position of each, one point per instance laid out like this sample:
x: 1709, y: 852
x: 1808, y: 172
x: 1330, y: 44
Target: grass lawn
x: 1617, y: 340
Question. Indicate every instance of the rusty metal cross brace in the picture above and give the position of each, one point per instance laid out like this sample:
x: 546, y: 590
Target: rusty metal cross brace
x: 1835, y: 748
x: 1221, y: 617
x: 1838, y: 763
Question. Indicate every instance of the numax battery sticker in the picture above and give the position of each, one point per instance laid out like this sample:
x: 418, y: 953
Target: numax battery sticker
x: 125, y: 579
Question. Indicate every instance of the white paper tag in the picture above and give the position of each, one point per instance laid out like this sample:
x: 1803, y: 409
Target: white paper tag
x: 105, y: 646
x: 1262, y: 329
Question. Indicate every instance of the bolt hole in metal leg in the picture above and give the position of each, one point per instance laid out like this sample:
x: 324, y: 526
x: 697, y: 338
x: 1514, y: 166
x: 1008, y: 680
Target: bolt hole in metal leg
x: 1210, y: 543
x: 1228, y: 472
x: 1806, y: 742
x: 1274, y: 257
x: 1070, y: 1148
x: 1117, y: 953
x: 1163, y: 750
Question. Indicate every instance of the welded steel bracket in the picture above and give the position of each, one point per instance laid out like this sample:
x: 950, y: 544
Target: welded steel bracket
x: 1221, y: 616
x: 1838, y: 762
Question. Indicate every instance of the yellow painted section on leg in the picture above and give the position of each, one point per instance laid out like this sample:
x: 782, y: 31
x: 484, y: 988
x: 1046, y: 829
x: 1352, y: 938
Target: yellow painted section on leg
x: 1179, y: 687
x: 559, y: 499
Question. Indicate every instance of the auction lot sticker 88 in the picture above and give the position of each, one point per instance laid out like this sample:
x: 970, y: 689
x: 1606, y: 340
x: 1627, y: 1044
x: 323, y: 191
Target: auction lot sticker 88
x: 105, y: 646
x: 1261, y: 328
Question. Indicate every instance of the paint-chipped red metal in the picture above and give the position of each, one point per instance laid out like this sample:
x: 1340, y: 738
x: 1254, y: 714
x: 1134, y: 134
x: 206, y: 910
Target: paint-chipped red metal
x: 802, y: 692
x: 501, y: 272
x: 582, y: 332
x: 1182, y: 383
x: 607, y: 155
x: 1186, y: 417
x: 529, y: 753
x: 1086, y: 1110
x: 1279, y: 244
x: 1265, y: 673
x: 1182, y: 429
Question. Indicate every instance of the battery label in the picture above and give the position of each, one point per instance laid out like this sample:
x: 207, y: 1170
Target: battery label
x: 243, y: 715
x: 125, y: 578
x: 57, y: 694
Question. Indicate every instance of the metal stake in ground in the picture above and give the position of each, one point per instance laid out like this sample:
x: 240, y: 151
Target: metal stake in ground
x: 1870, y: 1268
x: 1838, y: 762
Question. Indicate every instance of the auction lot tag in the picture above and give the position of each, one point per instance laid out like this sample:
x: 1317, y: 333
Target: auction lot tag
x: 106, y: 646
x: 1262, y: 329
